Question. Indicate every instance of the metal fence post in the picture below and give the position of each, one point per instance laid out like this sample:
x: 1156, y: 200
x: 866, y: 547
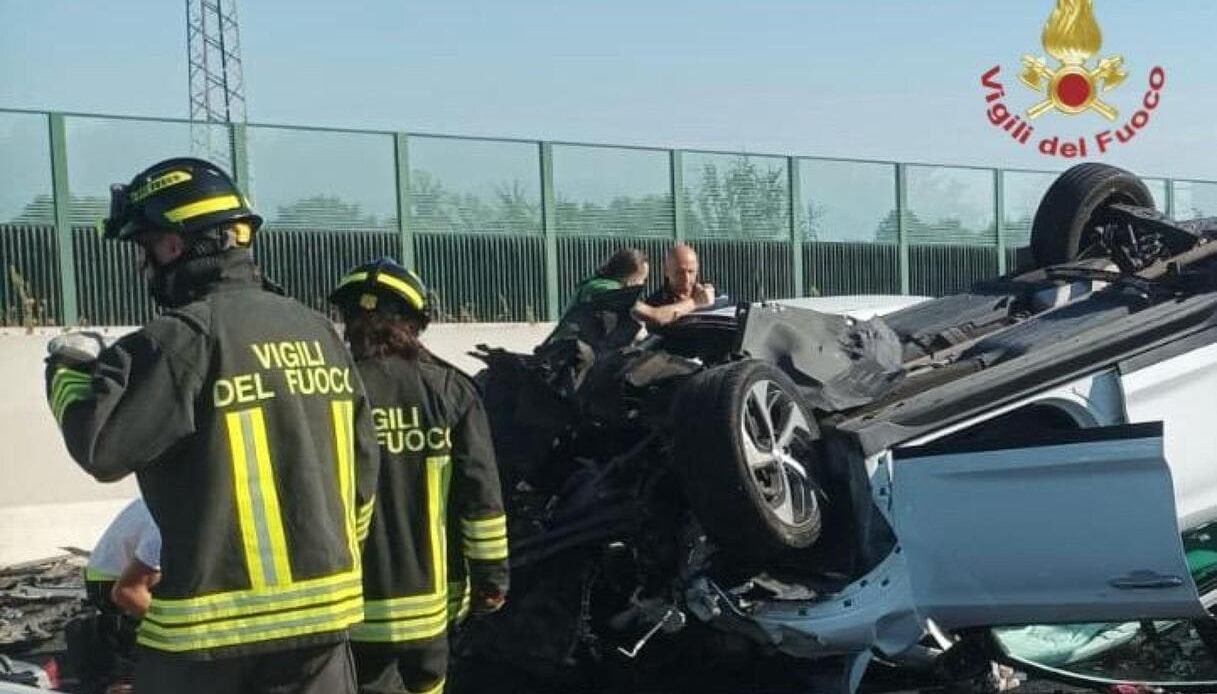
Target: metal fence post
x: 63, y: 219
x: 796, y: 229
x: 549, y: 228
x: 999, y: 218
x: 401, y: 160
x: 902, y: 237
x: 1169, y: 202
x: 238, y: 146
x: 676, y: 161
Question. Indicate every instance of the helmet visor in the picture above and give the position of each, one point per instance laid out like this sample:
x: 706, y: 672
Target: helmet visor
x: 124, y: 221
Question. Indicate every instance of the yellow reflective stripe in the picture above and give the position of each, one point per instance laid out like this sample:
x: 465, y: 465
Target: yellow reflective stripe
x: 92, y: 574
x: 495, y: 549
x: 437, y: 689
x: 68, y: 386
x: 270, y: 498
x: 343, y: 414
x: 258, y: 512
x: 364, y: 514
x: 406, y: 290
x: 245, y: 505
x: 437, y: 522
x: 485, y: 528
x: 202, y: 207
x: 219, y: 605
x: 60, y: 391
x: 65, y: 376
x: 323, y: 618
x: 424, y: 615
x: 271, y: 604
x: 402, y: 629
x: 485, y: 538
x: 274, y: 605
x: 352, y: 278
x: 409, y: 293
x: 66, y: 397
x: 67, y: 393
x: 458, y: 599
x: 363, y: 520
x: 409, y: 606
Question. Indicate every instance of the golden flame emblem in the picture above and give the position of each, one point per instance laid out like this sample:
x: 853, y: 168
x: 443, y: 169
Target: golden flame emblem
x: 1071, y: 36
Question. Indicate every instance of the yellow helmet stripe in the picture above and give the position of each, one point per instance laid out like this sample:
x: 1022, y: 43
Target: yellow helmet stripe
x: 202, y: 207
x: 402, y: 288
x: 405, y: 290
x: 352, y: 278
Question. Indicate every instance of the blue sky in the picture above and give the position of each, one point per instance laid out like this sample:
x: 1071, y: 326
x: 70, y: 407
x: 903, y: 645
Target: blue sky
x: 886, y: 79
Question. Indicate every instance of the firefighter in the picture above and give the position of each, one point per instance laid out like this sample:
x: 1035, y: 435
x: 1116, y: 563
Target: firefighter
x: 439, y: 488
x: 243, y: 418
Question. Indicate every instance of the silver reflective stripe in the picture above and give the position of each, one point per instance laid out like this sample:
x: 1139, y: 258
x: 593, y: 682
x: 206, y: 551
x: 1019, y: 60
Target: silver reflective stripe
x: 261, y: 525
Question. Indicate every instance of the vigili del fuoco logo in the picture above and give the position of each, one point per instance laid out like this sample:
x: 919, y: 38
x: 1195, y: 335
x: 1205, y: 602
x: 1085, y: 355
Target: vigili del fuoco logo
x: 1070, y: 84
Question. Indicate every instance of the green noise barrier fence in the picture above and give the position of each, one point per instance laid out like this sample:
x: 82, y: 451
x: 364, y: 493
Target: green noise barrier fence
x: 503, y: 230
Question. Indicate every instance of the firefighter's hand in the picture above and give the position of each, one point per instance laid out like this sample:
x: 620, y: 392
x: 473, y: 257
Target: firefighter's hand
x: 76, y: 348
x: 487, y: 602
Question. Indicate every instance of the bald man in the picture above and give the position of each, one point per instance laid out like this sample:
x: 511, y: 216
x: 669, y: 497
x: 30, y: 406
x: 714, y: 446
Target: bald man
x: 680, y: 285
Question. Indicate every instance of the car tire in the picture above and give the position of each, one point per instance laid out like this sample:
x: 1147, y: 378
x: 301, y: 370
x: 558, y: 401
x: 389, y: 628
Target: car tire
x: 1073, y: 206
x: 745, y: 443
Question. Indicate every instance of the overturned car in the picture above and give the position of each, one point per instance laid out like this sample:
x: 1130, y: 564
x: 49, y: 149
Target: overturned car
x: 828, y: 491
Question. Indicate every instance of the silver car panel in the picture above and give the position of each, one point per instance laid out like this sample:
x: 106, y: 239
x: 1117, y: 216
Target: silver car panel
x: 1079, y: 528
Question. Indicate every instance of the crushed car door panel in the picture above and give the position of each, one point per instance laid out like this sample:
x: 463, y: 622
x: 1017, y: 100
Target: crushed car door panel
x: 1073, y: 527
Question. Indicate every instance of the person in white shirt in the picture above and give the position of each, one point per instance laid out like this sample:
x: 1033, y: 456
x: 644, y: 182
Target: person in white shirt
x: 119, y: 576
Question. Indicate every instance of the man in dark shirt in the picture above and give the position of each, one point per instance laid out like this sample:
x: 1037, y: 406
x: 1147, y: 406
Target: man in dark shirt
x: 680, y: 285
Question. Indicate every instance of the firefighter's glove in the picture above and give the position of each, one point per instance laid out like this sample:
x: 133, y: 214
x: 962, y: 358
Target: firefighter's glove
x: 487, y: 601
x: 76, y: 348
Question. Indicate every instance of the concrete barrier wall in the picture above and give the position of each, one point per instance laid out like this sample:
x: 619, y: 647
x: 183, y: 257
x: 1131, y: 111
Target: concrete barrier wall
x: 47, y: 502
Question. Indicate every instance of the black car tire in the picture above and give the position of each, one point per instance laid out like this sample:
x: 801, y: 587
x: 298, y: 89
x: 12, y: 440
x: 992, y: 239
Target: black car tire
x: 1073, y: 206
x: 755, y: 501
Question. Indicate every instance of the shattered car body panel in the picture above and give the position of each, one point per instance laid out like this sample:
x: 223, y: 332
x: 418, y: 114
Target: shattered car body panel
x: 839, y: 363
x: 922, y: 430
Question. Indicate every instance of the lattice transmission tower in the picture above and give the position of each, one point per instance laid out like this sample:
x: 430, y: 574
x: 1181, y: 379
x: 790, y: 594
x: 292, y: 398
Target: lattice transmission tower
x: 217, y: 91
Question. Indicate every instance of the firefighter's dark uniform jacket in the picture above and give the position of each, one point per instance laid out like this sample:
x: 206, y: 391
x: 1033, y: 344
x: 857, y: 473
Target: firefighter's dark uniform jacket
x: 439, y: 487
x: 243, y: 417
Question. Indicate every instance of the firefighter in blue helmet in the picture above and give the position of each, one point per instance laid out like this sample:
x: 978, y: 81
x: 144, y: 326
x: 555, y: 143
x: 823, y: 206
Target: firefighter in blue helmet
x: 242, y: 415
x: 438, y: 539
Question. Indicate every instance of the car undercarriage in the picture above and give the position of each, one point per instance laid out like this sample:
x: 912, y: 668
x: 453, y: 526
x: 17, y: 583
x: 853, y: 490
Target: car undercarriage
x: 778, y: 482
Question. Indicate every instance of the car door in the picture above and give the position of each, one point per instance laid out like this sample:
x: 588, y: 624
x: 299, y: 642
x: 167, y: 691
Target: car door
x: 1042, y: 527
